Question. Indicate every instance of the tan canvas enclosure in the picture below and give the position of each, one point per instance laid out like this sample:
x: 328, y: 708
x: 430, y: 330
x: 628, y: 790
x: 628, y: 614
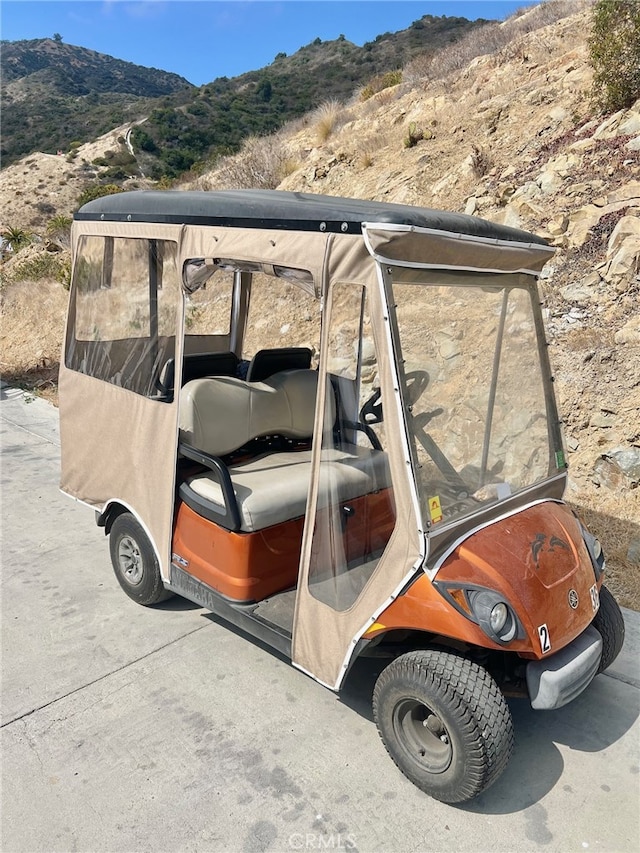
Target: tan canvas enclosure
x: 137, y: 258
x: 432, y: 249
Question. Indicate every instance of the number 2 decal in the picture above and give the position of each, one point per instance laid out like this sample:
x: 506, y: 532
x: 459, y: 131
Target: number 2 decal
x: 545, y: 640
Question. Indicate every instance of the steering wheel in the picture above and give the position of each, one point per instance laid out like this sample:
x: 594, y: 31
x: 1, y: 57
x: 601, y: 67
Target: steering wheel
x: 416, y: 384
x: 371, y: 411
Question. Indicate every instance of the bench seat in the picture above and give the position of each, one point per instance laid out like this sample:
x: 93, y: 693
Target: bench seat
x: 273, y: 487
x: 219, y: 415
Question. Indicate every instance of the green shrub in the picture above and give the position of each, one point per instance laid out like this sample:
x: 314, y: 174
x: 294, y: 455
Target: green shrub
x: 414, y: 136
x: 116, y: 173
x: 97, y: 191
x: 44, y: 265
x: 122, y: 158
x: 59, y: 227
x: 141, y: 139
x: 614, y: 53
x: 380, y: 82
x: 17, y: 237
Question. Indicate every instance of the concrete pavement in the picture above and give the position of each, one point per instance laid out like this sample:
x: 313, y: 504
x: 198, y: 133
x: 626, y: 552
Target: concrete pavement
x: 134, y: 729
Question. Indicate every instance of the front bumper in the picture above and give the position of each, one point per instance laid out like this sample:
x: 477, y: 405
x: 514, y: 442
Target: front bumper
x: 557, y: 680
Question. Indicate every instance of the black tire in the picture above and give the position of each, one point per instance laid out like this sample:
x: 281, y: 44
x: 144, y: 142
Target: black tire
x: 610, y: 624
x: 134, y: 561
x: 444, y: 722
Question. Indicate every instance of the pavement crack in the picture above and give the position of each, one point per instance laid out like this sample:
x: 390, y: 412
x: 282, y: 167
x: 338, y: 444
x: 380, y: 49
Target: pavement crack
x: 32, y: 745
x: 102, y: 677
x: 30, y: 432
x: 628, y: 679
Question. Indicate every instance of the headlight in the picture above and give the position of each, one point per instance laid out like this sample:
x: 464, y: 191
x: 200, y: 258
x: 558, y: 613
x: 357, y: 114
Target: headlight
x: 490, y: 609
x: 498, y: 617
x: 486, y: 608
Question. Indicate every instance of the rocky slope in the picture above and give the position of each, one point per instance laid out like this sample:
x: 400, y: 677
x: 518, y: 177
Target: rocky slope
x: 41, y: 186
x: 512, y: 137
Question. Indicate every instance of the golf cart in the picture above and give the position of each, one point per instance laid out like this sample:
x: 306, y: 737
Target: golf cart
x: 332, y: 423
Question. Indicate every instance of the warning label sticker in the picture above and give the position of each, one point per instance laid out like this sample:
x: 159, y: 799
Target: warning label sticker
x: 435, y: 510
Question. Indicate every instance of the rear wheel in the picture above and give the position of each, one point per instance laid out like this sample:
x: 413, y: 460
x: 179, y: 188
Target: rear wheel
x: 610, y: 624
x: 134, y: 561
x: 444, y: 722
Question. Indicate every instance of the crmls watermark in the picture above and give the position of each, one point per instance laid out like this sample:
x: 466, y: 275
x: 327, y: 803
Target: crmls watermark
x: 315, y: 841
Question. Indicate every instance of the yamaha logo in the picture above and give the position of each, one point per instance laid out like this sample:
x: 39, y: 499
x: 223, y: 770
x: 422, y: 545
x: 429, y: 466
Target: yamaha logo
x: 573, y: 599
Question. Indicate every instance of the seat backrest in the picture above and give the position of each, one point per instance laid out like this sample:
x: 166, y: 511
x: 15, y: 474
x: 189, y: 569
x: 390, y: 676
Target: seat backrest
x: 219, y: 414
x: 266, y: 362
x: 198, y: 364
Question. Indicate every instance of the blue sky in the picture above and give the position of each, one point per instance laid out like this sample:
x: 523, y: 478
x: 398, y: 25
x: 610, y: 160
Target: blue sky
x: 208, y: 39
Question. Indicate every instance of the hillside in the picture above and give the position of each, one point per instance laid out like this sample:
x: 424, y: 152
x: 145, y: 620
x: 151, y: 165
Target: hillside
x: 218, y: 116
x: 71, y: 70
x: 54, y: 94
x: 509, y: 135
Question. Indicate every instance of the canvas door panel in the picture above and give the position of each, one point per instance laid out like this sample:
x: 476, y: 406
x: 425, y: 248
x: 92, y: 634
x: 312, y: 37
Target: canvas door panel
x: 118, y: 436
x: 127, y: 454
x: 361, y: 535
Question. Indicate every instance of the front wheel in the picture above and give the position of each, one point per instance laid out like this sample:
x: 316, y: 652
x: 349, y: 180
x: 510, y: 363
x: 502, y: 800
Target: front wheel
x: 134, y: 561
x: 444, y: 722
x: 610, y: 625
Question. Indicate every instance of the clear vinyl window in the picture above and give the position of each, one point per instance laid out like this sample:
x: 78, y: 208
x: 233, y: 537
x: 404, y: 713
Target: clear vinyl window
x: 476, y: 406
x: 208, y: 309
x: 355, y: 514
x: 282, y: 315
x: 125, y: 296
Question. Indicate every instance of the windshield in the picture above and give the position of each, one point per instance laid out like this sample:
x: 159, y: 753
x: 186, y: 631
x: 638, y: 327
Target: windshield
x: 481, y: 420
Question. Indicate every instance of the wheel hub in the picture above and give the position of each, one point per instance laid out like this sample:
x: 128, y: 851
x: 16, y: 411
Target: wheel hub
x: 130, y: 560
x: 423, y: 735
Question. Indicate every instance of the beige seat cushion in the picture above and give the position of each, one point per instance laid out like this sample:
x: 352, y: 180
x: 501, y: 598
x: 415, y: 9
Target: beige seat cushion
x: 222, y: 413
x: 273, y: 487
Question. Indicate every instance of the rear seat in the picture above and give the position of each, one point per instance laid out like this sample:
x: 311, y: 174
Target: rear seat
x: 218, y: 415
x: 198, y: 364
x: 266, y: 362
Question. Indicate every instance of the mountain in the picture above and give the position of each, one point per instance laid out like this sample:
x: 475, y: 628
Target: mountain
x: 76, y: 71
x: 54, y: 94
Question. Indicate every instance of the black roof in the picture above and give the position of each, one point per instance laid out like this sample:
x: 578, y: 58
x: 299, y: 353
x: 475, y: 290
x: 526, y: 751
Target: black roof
x: 285, y: 211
